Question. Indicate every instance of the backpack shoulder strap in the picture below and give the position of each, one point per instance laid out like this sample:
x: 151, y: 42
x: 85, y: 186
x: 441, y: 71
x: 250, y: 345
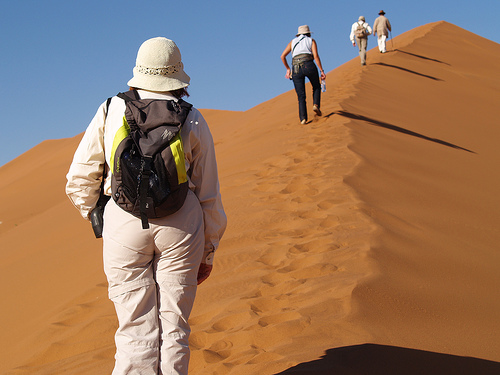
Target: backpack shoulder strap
x: 185, y: 108
x: 108, y: 102
x: 185, y: 105
x: 300, y: 40
x: 129, y: 96
x: 181, y: 106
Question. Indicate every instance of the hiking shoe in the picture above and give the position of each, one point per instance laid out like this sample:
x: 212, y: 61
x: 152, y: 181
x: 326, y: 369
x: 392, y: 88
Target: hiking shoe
x: 303, y: 122
x: 316, y: 110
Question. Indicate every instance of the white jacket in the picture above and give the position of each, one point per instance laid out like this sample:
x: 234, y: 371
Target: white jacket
x: 83, y: 178
x: 354, y: 26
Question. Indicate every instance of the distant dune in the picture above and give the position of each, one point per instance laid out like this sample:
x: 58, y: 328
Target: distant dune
x: 365, y: 242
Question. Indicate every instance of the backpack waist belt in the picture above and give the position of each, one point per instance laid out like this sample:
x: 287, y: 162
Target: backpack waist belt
x: 302, y: 58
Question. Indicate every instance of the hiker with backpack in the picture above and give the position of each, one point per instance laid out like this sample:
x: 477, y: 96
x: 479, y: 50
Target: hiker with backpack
x: 359, y: 36
x: 155, y: 155
x: 304, y: 51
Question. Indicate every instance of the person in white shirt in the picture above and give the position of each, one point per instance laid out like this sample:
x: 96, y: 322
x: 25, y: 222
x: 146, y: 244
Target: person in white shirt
x: 381, y: 27
x: 152, y: 273
x: 359, y: 35
x: 304, y: 53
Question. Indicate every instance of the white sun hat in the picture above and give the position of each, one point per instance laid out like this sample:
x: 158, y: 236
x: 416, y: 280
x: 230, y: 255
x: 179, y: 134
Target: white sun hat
x: 304, y: 29
x: 159, y: 67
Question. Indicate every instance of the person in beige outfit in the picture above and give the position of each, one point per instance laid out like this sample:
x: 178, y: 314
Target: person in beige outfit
x: 359, y: 36
x: 381, y: 28
x: 152, y: 273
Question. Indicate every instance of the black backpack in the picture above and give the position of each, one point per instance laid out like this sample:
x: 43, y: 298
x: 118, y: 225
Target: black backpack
x: 149, y: 177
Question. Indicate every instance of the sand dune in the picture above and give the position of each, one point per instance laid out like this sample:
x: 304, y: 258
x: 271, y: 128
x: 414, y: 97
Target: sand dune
x: 365, y: 242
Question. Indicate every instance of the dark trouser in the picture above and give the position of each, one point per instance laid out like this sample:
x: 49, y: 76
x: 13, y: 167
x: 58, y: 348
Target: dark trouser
x: 300, y: 72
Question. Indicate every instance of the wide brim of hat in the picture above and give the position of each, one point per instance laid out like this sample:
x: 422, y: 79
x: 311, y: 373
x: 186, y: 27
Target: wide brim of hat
x: 173, y: 82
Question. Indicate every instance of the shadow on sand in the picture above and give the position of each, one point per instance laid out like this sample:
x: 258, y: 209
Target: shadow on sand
x: 407, y: 70
x: 422, y: 57
x: 395, y: 128
x: 372, y: 359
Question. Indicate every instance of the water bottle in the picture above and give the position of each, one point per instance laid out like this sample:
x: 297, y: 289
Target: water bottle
x: 323, y: 85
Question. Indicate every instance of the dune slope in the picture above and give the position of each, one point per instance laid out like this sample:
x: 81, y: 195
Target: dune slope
x: 427, y: 137
x: 375, y: 223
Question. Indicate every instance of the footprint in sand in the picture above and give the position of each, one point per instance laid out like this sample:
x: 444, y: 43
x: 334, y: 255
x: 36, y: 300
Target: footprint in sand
x: 286, y: 316
x: 330, y: 221
x: 309, y: 267
x: 297, y: 184
x: 232, y: 323
x: 275, y: 328
x: 198, y: 340
x: 272, y: 260
x: 218, y: 351
x: 262, y: 305
x: 314, y: 246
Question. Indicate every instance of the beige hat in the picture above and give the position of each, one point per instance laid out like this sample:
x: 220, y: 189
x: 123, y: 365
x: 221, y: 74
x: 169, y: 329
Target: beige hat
x: 158, y: 66
x: 304, y: 29
x: 361, y: 18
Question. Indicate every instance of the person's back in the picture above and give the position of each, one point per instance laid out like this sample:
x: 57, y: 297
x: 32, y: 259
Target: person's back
x: 359, y: 36
x: 381, y: 26
x: 301, y: 45
x: 381, y: 29
x: 152, y: 273
x: 304, y: 53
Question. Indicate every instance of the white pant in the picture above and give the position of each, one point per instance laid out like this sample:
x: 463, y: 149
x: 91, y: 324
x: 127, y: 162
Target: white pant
x: 381, y: 43
x: 152, y: 276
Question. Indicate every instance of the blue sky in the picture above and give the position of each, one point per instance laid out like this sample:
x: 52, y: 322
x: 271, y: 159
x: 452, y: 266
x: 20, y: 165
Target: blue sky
x: 62, y: 59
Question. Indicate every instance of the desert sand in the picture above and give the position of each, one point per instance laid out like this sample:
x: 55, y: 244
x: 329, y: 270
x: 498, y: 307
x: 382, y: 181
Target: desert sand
x: 365, y: 242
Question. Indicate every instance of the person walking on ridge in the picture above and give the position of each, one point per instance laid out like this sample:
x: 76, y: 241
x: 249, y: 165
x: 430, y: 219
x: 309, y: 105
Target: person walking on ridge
x: 381, y: 27
x: 359, y: 35
x: 304, y: 51
x: 152, y: 273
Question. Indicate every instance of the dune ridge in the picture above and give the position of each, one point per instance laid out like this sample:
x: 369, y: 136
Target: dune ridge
x: 343, y: 232
x: 432, y: 192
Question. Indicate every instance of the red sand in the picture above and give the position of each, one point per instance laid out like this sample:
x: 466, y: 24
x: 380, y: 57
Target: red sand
x: 376, y: 223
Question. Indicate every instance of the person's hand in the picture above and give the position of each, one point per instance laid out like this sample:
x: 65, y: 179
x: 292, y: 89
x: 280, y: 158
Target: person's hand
x: 287, y: 75
x: 204, y: 272
x: 354, y: 44
x: 323, y: 75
